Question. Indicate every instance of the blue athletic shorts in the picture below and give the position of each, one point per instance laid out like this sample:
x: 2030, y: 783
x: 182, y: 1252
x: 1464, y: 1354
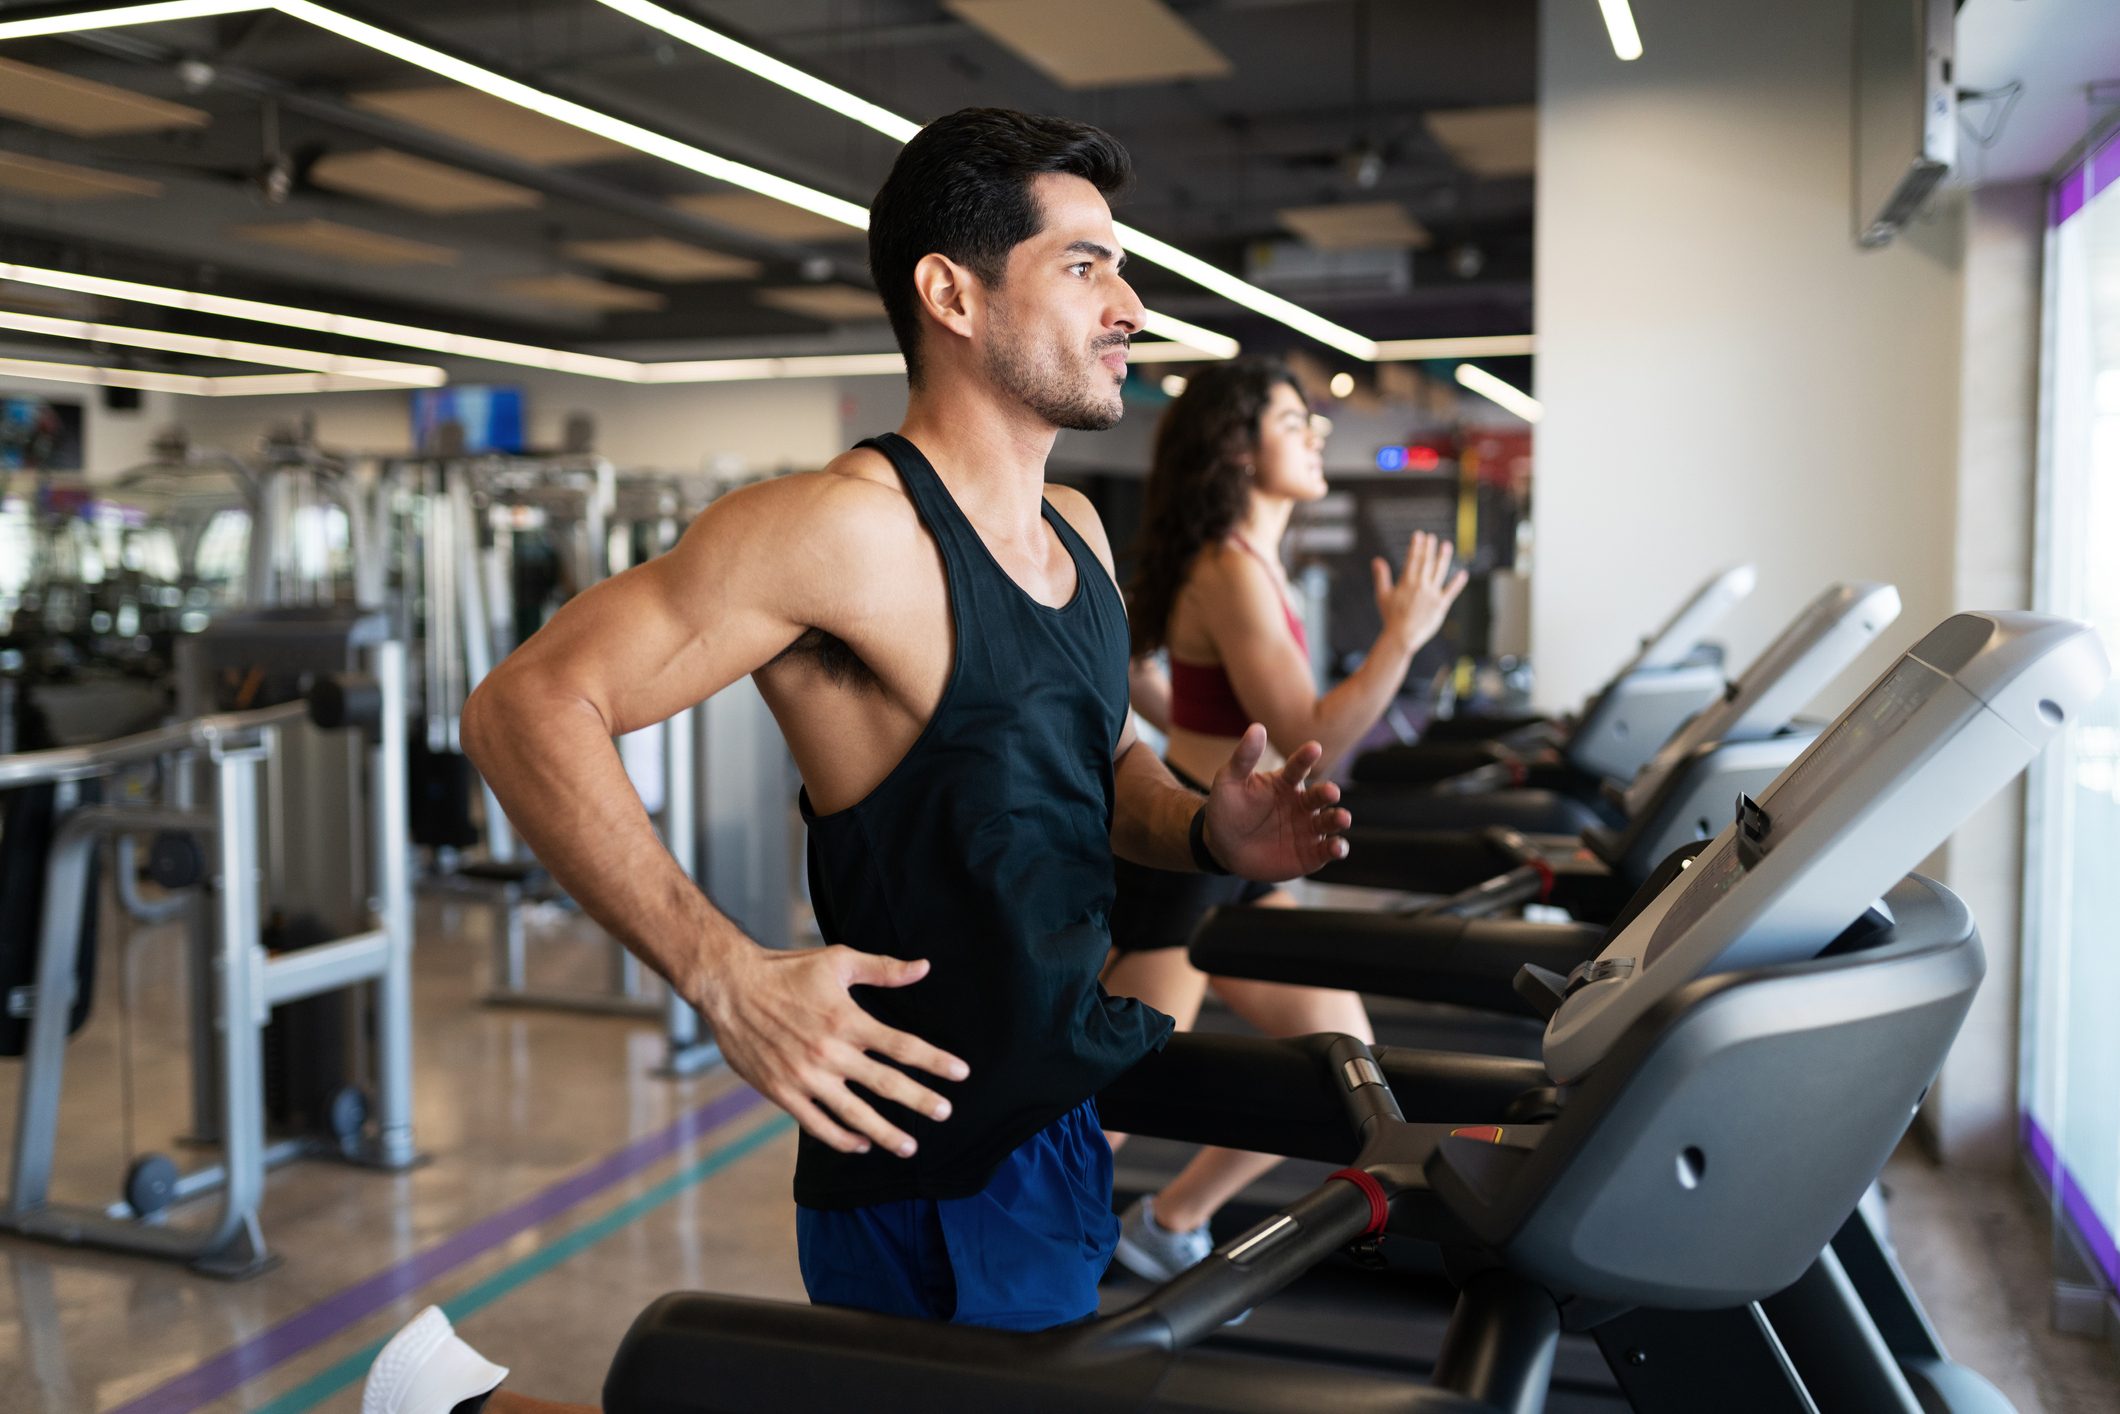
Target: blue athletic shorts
x: 1024, y: 1253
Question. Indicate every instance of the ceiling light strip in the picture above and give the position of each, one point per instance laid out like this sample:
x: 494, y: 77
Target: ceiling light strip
x: 1207, y: 341
x: 1162, y: 253
x: 629, y: 135
x: 1470, y: 346
x: 765, y: 66
x: 1242, y: 292
x: 1619, y: 23
x: 120, y: 16
x: 345, y: 325
x: 188, y: 384
x: 589, y: 120
x: 1504, y: 395
x: 236, y: 350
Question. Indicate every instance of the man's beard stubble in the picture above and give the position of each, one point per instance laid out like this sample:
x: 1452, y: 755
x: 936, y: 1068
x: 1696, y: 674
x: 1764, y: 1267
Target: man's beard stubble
x: 1078, y: 400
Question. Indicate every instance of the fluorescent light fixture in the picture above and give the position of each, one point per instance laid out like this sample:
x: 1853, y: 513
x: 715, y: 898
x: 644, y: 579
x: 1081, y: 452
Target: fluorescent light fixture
x: 119, y: 16
x: 1162, y: 352
x: 402, y: 375
x: 1207, y: 341
x: 619, y: 370
x: 741, y: 370
x: 345, y: 325
x: 1619, y: 23
x: 1243, y: 292
x: 1162, y: 253
x: 787, y: 76
x: 1511, y: 398
x: 186, y: 384
x: 654, y: 144
x: 1474, y: 346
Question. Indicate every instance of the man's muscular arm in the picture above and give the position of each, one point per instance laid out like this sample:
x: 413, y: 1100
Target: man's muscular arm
x: 1270, y: 826
x: 753, y: 572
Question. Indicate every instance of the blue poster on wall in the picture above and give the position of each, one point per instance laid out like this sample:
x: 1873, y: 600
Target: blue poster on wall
x: 37, y: 434
x: 491, y: 418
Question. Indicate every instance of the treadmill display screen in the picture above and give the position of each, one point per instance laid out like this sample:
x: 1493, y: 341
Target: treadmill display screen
x: 1889, y: 704
x: 1714, y: 874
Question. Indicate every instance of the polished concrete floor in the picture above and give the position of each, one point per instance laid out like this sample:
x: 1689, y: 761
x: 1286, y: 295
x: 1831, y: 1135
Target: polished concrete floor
x: 568, y: 1184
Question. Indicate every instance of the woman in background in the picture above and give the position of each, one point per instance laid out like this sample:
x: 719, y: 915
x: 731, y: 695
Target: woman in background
x: 1234, y: 455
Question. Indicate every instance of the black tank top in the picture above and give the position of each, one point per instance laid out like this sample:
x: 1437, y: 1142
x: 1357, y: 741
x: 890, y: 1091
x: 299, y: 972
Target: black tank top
x: 987, y: 850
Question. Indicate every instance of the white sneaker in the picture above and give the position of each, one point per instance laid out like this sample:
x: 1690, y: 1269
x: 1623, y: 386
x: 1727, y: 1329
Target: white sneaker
x: 427, y: 1369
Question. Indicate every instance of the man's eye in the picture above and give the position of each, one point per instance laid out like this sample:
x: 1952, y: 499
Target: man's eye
x: 1080, y: 268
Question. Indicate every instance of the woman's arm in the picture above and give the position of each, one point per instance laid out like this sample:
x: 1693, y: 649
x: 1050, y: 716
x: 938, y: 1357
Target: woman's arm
x: 1150, y: 686
x: 1241, y: 608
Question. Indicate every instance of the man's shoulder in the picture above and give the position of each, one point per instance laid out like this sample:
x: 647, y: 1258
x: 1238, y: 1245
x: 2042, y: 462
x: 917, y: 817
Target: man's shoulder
x: 856, y: 493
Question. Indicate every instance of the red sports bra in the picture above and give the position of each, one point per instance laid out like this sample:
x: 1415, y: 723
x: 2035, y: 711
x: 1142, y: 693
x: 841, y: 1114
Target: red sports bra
x: 1201, y: 697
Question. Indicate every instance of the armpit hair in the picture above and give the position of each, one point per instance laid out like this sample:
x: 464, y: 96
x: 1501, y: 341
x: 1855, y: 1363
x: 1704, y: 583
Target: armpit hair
x: 829, y: 654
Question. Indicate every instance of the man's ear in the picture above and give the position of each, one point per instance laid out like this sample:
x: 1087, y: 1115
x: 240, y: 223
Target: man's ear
x: 949, y: 294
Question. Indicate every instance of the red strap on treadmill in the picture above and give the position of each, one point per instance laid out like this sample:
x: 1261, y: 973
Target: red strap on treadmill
x: 1545, y: 878
x: 1379, y: 1205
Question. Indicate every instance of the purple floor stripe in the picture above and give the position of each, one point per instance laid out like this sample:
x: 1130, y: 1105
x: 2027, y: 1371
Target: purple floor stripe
x: 236, y: 1366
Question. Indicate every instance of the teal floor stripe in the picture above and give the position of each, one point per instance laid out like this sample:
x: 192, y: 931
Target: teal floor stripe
x: 322, y: 1386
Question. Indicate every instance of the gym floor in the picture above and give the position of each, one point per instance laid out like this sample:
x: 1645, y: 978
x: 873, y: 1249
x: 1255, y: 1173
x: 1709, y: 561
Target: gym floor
x: 570, y: 1184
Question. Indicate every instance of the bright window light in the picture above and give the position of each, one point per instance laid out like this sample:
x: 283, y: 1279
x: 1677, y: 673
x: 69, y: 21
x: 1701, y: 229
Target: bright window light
x: 1619, y: 23
x: 1514, y: 399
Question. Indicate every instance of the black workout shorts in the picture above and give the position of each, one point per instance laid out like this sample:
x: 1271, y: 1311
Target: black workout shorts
x: 1159, y: 908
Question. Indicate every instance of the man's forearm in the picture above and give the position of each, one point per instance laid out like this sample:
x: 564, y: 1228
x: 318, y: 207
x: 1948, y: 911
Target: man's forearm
x: 1152, y: 813
x: 557, y: 774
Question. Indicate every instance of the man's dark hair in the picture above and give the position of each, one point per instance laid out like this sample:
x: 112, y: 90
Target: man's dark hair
x: 962, y: 189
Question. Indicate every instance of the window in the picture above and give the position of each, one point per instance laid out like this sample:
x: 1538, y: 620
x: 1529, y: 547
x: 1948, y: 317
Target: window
x: 2069, y: 1069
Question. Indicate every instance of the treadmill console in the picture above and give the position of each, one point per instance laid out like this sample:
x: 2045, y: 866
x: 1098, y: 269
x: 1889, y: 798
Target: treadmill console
x: 1794, y: 668
x: 1948, y: 725
x: 1672, y: 644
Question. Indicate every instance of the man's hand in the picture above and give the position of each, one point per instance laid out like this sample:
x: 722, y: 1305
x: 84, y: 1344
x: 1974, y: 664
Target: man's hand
x: 1268, y: 825
x: 786, y: 1024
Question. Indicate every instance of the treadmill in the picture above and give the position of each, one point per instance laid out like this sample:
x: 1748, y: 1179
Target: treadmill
x: 1680, y: 1181
x: 1673, y: 674
x: 1559, y: 792
x: 1417, y: 842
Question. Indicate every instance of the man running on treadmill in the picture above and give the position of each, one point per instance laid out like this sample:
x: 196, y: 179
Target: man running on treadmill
x: 938, y: 633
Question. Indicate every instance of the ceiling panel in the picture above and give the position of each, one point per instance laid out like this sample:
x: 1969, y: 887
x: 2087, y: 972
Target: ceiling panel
x: 1356, y: 225
x: 763, y: 216
x: 1096, y: 43
x: 579, y: 292
x: 350, y: 245
x: 1490, y: 142
x: 482, y: 120
x: 660, y: 258
x: 83, y: 107
x: 63, y: 181
x: 836, y: 304
x: 400, y: 179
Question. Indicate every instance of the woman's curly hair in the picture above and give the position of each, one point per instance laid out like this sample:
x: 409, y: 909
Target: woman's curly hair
x: 1198, y: 483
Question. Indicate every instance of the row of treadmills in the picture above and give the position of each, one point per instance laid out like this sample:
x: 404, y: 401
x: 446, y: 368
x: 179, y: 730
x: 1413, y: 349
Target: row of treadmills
x: 1626, y: 1161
